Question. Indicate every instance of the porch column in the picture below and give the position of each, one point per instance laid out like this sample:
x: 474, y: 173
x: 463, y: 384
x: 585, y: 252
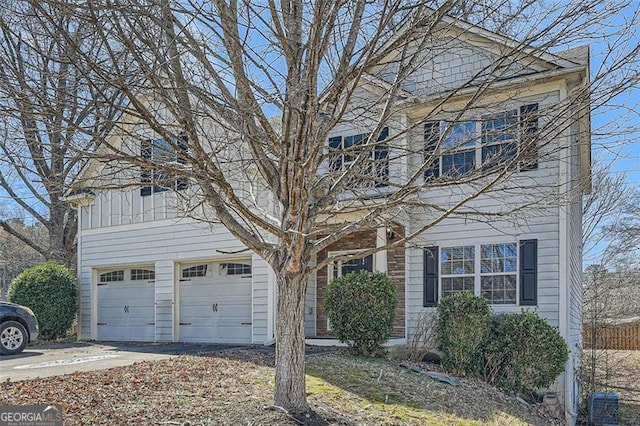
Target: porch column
x: 381, y: 256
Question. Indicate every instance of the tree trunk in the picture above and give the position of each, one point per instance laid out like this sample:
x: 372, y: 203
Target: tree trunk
x: 62, y: 232
x: 290, y: 367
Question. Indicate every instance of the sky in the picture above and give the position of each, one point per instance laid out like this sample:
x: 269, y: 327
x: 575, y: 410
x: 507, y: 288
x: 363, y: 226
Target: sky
x: 616, y: 126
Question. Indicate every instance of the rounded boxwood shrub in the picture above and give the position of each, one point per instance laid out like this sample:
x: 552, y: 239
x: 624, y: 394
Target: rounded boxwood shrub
x: 463, y: 326
x: 361, y: 308
x: 524, y: 353
x: 51, y: 292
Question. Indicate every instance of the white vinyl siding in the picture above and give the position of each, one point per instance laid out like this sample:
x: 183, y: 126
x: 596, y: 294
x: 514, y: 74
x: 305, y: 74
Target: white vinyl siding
x: 163, y: 244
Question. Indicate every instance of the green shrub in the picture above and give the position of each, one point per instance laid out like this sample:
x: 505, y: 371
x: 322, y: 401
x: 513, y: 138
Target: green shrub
x: 51, y: 292
x: 463, y: 325
x: 524, y: 353
x: 361, y: 308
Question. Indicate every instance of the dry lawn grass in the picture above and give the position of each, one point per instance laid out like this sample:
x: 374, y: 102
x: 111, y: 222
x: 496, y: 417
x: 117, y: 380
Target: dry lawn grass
x: 233, y: 389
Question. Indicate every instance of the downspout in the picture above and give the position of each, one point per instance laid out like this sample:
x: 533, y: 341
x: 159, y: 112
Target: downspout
x: 76, y: 201
x: 79, y: 268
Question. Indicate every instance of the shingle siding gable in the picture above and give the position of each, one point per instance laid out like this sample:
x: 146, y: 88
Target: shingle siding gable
x: 451, y: 63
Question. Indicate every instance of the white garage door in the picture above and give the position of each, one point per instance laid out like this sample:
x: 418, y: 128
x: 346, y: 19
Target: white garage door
x: 215, y: 302
x: 126, y: 305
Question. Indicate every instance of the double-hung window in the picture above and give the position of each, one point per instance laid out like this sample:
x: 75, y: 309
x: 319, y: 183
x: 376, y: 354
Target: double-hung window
x: 458, y: 148
x: 495, y: 280
x: 371, y: 172
x: 503, y: 273
x: 499, y: 139
x: 498, y: 273
x: 162, y: 155
x: 458, y: 269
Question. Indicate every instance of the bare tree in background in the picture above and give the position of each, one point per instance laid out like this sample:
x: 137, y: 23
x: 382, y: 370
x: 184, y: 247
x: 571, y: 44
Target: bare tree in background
x: 15, y: 256
x: 248, y: 94
x: 611, y: 302
x: 49, y: 118
x: 611, y: 225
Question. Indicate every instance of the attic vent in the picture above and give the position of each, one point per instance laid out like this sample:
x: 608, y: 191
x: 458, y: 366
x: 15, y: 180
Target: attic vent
x: 603, y: 409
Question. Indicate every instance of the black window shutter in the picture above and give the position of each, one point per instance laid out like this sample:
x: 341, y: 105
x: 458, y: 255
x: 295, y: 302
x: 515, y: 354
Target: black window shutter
x: 183, y: 147
x: 529, y: 134
x: 529, y: 272
x: 384, y: 134
x: 431, y: 137
x: 430, y: 276
x: 381, y: 159
x: 335, y: 144
x: 145, y: 173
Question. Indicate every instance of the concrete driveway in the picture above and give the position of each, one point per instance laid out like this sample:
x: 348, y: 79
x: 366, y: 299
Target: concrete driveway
x: 58, y: 359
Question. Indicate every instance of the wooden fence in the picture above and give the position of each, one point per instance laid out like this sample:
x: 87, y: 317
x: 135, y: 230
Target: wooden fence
x: 625, y: 336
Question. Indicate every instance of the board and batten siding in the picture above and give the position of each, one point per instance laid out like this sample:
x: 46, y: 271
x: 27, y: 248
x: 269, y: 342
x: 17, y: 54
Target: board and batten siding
x: 164, y: 244
x: 126, y: 206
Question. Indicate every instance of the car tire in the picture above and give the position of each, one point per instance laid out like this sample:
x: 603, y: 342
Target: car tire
x: 13, y: 338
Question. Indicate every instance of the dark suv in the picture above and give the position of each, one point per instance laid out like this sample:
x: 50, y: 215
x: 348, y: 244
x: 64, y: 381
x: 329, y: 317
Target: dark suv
x: 18, y: 326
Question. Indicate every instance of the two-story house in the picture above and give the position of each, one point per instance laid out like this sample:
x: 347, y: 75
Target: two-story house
x: 149, y: 272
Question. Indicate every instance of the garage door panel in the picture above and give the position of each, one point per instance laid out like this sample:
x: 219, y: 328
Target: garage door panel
x: 199, y: 334
x: 234, y: 312
x: 216, y: 308
x: 126, y: 309
x: 126, y: 333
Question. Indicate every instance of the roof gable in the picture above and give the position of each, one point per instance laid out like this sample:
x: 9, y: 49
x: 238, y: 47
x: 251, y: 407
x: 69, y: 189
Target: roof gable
x: 454, y: 54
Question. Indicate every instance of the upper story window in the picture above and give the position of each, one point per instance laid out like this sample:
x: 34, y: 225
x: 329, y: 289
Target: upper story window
x: 162, y: 152
x: 458, y: 148
x: 373, y: 172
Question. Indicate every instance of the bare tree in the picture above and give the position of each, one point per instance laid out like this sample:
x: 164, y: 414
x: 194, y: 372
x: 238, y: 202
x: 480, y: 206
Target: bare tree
x: 49, y: 118
x: 15, y: 256
x: 610, y: 217
x: 611, y: 301
x: 247, y: 95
